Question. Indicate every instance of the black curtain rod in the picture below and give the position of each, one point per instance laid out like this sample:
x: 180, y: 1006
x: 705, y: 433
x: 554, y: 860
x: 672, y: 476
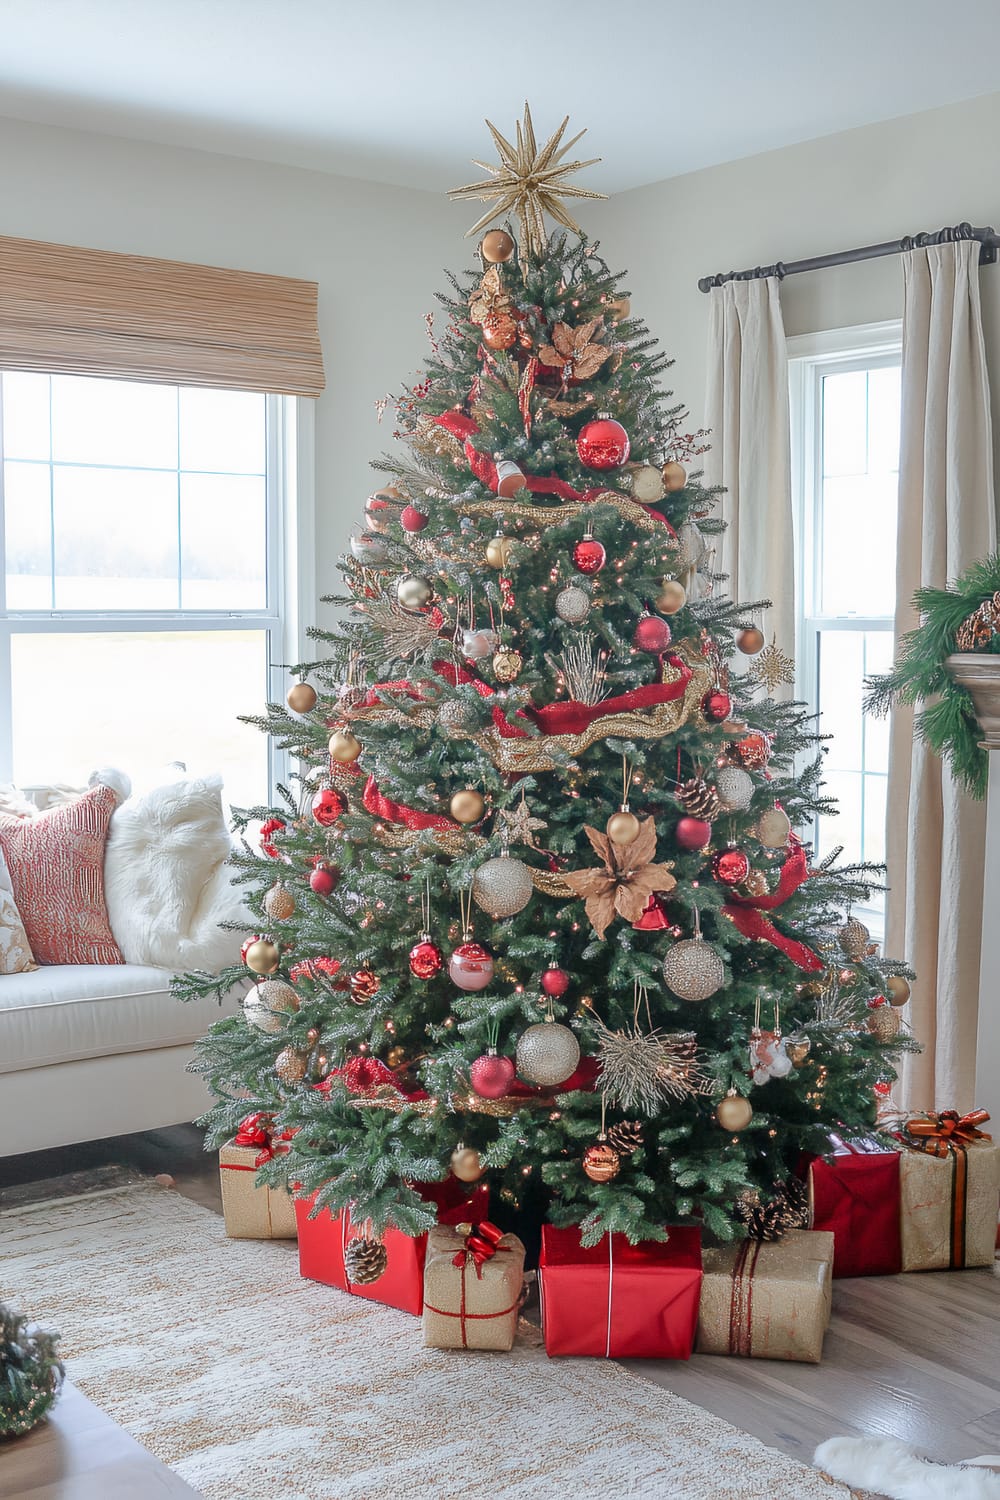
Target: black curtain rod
x: 986, y: 236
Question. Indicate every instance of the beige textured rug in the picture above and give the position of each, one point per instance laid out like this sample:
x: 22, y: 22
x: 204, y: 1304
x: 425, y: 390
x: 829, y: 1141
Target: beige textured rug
x: 256, y: 1385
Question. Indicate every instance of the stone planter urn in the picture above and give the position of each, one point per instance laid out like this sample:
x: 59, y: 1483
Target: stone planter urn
x: 979, y: 671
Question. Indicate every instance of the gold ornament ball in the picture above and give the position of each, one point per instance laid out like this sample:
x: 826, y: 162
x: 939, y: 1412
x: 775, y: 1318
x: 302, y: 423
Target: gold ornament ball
x: 344, y: 746
x: 466, y: 1164
x: 674, y: 477
x: 279, y: 903
x: 498, y: 550
x: 798, y: 1051
x: 734, y: 1113
x: 750, y: 641
x: 507, y: 664
x: 854, y: 938
x: 601, y: 1162
x: 622, y: 827
x: 395, y: 1057
x: 263, y: 956
x: 467, y: 806
x: 290, y: 1066
x: 673, y: 596
x: 497, y: 247
x: 884, y: 1021
x: 773, y: 828
x: 413, y: 591
x: 618, y: 308
x: 646, y: 484
x: 897, y: 990
x: 301, y: 697
x: 269, y: 1004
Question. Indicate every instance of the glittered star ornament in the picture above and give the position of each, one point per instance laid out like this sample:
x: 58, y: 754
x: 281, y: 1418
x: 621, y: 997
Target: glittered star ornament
x: 772, y: 668
x: 530, y: 182
x: 521, y: 826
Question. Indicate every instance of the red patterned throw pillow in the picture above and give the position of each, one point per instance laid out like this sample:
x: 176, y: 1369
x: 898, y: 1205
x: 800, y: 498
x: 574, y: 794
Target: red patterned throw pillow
x: 56, y: 865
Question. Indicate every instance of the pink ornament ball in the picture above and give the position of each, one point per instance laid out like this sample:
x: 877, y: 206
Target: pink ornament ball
x: 555, y: 982
x: 652, y: 635
x: 471, y: 966
x: 492, y: 1076
x: 693, y: 833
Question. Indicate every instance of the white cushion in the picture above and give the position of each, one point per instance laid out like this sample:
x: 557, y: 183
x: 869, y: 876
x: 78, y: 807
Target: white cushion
x: 63, y: 1012
x: 166, y: 881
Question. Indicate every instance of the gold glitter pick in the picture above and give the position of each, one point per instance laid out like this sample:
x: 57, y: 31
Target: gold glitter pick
x: 529, y: 181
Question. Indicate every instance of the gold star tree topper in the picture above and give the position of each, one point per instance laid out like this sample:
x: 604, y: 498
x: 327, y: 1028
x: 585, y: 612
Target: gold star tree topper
x: 529, y: 181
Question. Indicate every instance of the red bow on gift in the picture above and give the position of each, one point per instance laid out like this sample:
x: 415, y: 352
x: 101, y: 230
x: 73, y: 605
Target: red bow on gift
x: 255, y: 1130
x: 481, y: 1243
x: 936, y: 1134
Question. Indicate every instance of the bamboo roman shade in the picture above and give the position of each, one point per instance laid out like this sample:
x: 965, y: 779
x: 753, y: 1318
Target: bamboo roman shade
x: 92, y: 312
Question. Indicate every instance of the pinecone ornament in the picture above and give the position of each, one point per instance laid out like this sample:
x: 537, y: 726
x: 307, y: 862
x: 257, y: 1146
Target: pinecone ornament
x: 698, y: 798
x: 625, y: 1137
x: 787, y: 1209
x: 365, y: 1261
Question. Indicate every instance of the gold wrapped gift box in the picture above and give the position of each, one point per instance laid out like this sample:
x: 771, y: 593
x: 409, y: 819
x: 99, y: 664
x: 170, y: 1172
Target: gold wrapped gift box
x: 768, y: 1300
x: 252, y: 1212
x: 472, y: 1305
x: 948, y: 1206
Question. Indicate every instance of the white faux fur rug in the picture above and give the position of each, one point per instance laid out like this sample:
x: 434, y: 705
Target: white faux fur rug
x: 891, y: 1467
x: 256, y: 1385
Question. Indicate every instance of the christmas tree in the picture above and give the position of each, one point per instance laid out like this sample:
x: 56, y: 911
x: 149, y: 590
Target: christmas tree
x: 539, y: 902
x: 31, y: 1373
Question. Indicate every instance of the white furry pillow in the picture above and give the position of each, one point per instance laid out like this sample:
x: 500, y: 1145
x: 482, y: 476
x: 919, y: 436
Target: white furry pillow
x: 16, y: 956
x: 166, y: 882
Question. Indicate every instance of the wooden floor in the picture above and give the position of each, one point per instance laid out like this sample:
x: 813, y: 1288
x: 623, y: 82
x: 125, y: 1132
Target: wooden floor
x: 915, y: 1357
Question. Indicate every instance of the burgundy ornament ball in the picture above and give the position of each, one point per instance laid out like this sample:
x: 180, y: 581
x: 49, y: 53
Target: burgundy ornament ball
x: 717, y: 705
x: 426, y: 959
x: 693, y: 833
x: 471, y: 966
x: 323, y: 880
x: 652, y: 635
x: 731, y: 866
x: 555, y: 982
x: 589, y: 556
x: 603, y: 443
x: 412, y: 519
x: 327, y: 806
x: 491, y: 1076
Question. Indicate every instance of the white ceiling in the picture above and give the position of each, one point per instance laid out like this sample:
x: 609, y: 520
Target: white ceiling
x: 396, y: 90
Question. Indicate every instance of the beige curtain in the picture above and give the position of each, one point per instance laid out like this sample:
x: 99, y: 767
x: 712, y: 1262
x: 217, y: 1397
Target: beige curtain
x: 936, y: 835
x: 747, y: 411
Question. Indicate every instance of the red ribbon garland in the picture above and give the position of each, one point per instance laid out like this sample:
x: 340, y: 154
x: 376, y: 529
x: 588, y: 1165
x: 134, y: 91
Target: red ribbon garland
x: 747, y: 912
x: 481, y: 1244
x: 381, y: 806
x: 573, y: 718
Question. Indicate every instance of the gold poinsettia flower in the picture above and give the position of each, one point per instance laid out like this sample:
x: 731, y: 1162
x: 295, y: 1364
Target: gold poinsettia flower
x: 488, y: 297
x: 574, y: 352
x: 625, y: 880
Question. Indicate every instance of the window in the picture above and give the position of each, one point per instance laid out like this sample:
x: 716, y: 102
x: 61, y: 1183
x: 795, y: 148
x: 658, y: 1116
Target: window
x: 142, y: 589
x: 845, y: 389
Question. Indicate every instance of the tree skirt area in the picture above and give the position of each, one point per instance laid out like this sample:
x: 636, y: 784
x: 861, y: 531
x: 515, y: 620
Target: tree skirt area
x: 253, y: 1384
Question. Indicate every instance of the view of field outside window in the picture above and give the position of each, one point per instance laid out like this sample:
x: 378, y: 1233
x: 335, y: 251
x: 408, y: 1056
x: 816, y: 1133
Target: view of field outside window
x: 127, y: 503
x: 850, y: 597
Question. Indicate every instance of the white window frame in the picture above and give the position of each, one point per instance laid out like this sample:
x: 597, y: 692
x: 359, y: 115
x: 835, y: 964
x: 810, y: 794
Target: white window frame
x: 290, y: 575
x: 811, y: 357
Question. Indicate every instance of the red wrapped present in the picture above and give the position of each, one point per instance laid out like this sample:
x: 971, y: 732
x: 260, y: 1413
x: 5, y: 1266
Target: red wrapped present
x: 324, y: 1240
x: 619, y: 1300
x: 855, y: 1193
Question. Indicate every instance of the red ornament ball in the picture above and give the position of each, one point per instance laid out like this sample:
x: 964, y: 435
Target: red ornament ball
x: 883, y: 1089
x: 426, y: 959
x: 471, y: 966
x: 413, y: 519
x: 555, y: 982
x: 730, y: 866
x: 492, y: 1076
x: 589, y: 556
x: 717, y: 705
x: 323, y: 880
x: 652, y: 635
x: 327, y: 806
x: 364, y: 984
x: 603, y: 444
x: 693, y: 833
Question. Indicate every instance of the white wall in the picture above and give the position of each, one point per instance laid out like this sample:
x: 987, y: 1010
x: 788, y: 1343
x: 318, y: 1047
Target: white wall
x: 376, y: 252
x: 856, y: 188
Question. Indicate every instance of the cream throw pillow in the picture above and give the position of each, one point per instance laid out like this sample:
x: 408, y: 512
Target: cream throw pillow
x: 15, y: 951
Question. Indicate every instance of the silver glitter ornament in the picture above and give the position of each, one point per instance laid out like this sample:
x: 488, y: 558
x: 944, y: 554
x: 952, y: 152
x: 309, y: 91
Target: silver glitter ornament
x: 734, y: 788
x: 572, y: 605
x: 547, y: 1053
x: 693, y: 969
x: 502, y: 886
